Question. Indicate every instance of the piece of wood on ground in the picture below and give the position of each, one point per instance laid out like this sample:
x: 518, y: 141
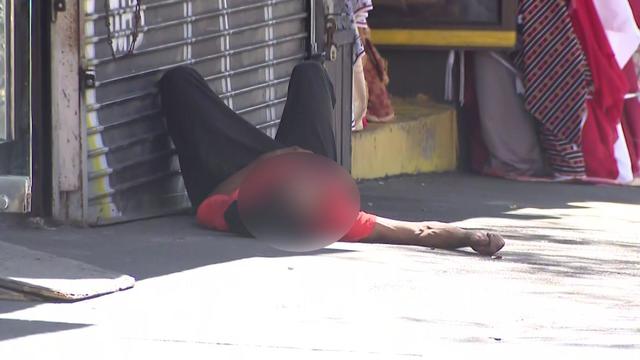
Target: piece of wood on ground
x: 45, y: 275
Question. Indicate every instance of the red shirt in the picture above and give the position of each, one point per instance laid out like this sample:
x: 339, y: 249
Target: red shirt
x: 211, y: 215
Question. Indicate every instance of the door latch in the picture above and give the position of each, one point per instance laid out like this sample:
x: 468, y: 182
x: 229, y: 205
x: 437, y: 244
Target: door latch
x: 331, y: 47
x: 87, y: 79
x: 57, y: 6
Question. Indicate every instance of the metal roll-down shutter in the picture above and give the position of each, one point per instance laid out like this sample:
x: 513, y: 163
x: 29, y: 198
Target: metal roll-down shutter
x: 246, y: 49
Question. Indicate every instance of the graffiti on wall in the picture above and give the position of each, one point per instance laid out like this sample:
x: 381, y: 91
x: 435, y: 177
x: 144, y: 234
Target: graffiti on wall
x: 122, y: 21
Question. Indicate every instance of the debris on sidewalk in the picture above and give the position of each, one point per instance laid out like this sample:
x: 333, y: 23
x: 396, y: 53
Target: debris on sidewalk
x: 26, y: 273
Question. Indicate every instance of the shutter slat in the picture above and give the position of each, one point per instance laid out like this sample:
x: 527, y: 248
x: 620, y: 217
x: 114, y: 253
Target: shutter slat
x: 245, y: 51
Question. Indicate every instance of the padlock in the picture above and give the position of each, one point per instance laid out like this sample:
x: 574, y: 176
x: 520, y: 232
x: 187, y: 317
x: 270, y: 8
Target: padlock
x: 332, y: 48
x: 333, y: 52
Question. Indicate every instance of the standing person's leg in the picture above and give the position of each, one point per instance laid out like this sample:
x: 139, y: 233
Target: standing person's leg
x: 212, y: 141
x: 308, y: 113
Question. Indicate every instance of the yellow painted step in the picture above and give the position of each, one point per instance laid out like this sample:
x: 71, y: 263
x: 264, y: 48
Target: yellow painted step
x: 424, y: 138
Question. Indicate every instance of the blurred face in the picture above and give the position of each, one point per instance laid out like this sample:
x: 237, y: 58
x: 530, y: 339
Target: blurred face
x: 302, y: 196
x: 299, y: 202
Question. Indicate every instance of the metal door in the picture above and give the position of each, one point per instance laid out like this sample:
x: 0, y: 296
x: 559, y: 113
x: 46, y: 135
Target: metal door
x: 15, y: 126
x: 335, y: 33
x: 246, y: 50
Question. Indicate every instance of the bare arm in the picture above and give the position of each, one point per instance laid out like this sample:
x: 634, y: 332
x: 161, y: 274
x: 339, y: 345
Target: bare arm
x: 428, y: 233
x: 434, y: 235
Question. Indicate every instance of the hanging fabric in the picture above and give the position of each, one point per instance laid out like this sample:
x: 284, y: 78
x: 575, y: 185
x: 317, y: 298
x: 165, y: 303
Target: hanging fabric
x: 359, y: 11
x: 557, y: 81
x: 379, y: 107
x: 631, y: 119
x: 603, y: 141
x: 507, y: 129
x: 620, y: 28
x: 360, y: 96
x: 624, y: 38
x: 462, y: 67
x: 470, y: 119
x: 448, y: 76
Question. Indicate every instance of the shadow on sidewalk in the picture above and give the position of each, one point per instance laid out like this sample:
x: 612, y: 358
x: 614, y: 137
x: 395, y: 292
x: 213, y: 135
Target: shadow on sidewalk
x: 454, y: 197
x: 11, y: 329
x: 143, y: 249
x: 148, y: 248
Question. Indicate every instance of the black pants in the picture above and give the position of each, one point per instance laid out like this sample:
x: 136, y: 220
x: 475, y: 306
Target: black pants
x: 213, y: 142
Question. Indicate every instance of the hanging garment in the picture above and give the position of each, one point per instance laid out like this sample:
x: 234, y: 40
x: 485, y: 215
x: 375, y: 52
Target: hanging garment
x: 556, y: 79
x: 603, y: 141
x: 631, y: 118
x: 620, y: 28
x: 360, y: 96
x: 508, y: 129
x: 359, y: 11
x: 471, y: 128
x: 605, y: 150
x: 622, y: 31
x: 379, y: 107
x: 630, y: 121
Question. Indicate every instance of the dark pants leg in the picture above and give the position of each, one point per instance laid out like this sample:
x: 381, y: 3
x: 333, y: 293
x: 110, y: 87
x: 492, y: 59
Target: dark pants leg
x: 308, y: 113
x: 213, y: 142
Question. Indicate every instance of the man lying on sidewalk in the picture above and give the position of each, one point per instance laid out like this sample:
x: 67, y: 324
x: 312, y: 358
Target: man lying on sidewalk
x: 217, y: 148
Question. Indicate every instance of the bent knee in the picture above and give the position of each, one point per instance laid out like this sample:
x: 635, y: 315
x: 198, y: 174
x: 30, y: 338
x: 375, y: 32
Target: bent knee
x: 308, y: 68
x: 176, y: 76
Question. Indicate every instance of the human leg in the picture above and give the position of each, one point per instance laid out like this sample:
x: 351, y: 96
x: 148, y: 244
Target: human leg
x: 308, y: 114
x: 212, y: 141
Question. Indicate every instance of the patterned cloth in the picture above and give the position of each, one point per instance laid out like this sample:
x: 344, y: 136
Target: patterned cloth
x: 358, y: 10
x: 557, y: 81
x: 379, y: 107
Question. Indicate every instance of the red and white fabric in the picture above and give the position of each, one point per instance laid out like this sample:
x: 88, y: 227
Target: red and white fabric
x: 622, y: 31
x: 631, y: 119
x: 602, y: 26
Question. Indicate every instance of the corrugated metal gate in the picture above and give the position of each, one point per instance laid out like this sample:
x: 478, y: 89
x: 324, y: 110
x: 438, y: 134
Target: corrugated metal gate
x: 246, y: 50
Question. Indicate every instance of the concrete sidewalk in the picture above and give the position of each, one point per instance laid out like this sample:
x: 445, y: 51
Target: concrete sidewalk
x: 568, y: 284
